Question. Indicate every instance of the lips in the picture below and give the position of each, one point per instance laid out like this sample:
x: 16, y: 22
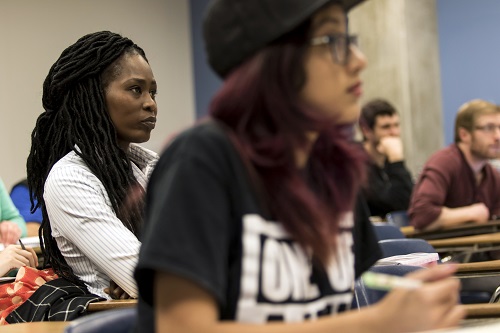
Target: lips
x: 356, y: 89
x: 150, y: 123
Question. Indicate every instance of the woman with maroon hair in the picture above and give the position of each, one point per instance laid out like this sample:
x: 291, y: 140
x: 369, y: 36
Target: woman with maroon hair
x: 249, y: 214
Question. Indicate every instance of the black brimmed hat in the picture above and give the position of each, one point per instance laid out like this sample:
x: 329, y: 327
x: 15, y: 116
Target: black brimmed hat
x: 235, y: 29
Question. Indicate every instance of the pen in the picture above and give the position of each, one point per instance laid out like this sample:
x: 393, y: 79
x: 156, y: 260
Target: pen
x: 381, y: 281
x: 22, y: 245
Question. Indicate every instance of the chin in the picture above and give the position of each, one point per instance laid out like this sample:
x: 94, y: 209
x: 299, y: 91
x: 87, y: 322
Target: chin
x: 142, y: 139
x: 349, y: 115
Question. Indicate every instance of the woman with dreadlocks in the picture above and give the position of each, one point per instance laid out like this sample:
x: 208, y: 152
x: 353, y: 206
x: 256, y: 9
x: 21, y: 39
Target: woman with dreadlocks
x: 84, y: 166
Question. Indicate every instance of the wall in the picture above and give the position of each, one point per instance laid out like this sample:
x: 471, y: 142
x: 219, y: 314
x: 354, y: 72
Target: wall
x: 399, y: 38
x: 469, y: 47
x: 34, y: 33
x: 206, y: 82
x: 456, y: 41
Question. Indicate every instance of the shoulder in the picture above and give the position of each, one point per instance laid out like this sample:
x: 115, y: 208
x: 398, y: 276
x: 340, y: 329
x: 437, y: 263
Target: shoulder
x: 69, y: 169
x: 493, y: 174
x: 206, y: 134
x: 446, y: 157
x: 200, y: 151
x: 71, y: 162
x: 204, y: 142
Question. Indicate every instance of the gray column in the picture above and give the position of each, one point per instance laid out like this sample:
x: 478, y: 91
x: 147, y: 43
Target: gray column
x: 399, y: 38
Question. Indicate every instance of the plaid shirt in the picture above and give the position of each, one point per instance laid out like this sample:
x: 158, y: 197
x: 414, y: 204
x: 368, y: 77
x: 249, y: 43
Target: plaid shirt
x: 56, y: 300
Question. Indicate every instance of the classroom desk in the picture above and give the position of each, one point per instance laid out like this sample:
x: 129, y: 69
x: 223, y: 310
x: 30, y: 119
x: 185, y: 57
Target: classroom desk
x: 473, y: 311
x: 408, y: 231
x: 482, y: 310
x: 479, y: 267
x: 37, y: 327
x: 467, y: 229
x: 491, y: 238
x: 113, y: 304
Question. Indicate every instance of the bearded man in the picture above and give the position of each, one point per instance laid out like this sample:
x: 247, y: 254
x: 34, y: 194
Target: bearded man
x: 457, y: 184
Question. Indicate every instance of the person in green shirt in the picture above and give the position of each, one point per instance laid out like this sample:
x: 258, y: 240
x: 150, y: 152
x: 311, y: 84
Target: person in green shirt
x: 12, y: 225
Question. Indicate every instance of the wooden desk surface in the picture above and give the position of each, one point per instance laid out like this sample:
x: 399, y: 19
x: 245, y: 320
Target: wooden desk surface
x: 482, y: 310
x: 113, y: 304
x: 37, y: 327
x: 408, y: 230
x: 481, y: 266
x: 468, y: 229
x: 493, y: 238
x: 473, y: 311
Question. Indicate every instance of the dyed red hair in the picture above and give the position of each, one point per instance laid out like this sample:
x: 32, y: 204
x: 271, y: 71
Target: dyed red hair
x: 260, y: 103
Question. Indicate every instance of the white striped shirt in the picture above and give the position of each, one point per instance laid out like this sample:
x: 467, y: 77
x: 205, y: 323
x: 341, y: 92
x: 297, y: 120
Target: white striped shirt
x: 94, y: 242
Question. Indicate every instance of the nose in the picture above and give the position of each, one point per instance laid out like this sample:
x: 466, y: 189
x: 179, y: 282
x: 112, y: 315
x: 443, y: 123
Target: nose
x: 150, y: 104
x: 497, y: 133
x: 357, y: 61
x: 394, y: 131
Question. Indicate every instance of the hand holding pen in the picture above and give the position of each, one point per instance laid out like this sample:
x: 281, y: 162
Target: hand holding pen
x: 16, y: 256
x: 387, y: 282
x: 424, y: 300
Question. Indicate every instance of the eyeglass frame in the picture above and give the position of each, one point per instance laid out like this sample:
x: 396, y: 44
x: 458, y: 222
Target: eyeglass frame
x: 488, y: 128
x: 332, y: 41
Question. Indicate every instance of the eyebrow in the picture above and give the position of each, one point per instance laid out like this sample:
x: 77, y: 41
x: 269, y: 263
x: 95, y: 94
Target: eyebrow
x: 139, y: 80
x: 326, y: 20
x: 389, y: 125
x: 491, y: 123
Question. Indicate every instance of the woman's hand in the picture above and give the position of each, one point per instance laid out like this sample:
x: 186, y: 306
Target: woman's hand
x: 432, y: 306
x: 9, y: 232
x: 116, y: 292
x: 13, y: 256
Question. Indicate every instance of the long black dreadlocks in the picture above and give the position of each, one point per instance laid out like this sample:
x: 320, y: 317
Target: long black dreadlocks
x: 76, y: 116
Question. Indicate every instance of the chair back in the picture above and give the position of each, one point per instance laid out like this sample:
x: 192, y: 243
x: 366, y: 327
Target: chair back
x: 108, y: 321
x: 364, y: 296
x: 398, y: 218
x: 396, y: 247
x: 384, y: 230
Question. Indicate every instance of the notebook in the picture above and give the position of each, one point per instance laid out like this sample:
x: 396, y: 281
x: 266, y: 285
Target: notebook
x: 412, y: 259
x: 33, y: 242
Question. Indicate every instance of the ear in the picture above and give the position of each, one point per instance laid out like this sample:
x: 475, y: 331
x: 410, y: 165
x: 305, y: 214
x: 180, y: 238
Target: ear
x: 367, y: 132
x: 464, y: 135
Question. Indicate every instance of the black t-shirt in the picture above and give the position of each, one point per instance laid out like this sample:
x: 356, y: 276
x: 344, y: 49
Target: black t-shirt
x: 204, y: 223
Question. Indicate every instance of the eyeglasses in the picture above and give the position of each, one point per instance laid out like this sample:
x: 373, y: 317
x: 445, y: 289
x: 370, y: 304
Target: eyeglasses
x: 489, y: 128
x: 340, y: 45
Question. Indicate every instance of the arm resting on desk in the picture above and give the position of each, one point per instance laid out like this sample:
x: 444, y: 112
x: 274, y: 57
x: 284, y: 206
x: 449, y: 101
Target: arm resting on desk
x: 478, y: 213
